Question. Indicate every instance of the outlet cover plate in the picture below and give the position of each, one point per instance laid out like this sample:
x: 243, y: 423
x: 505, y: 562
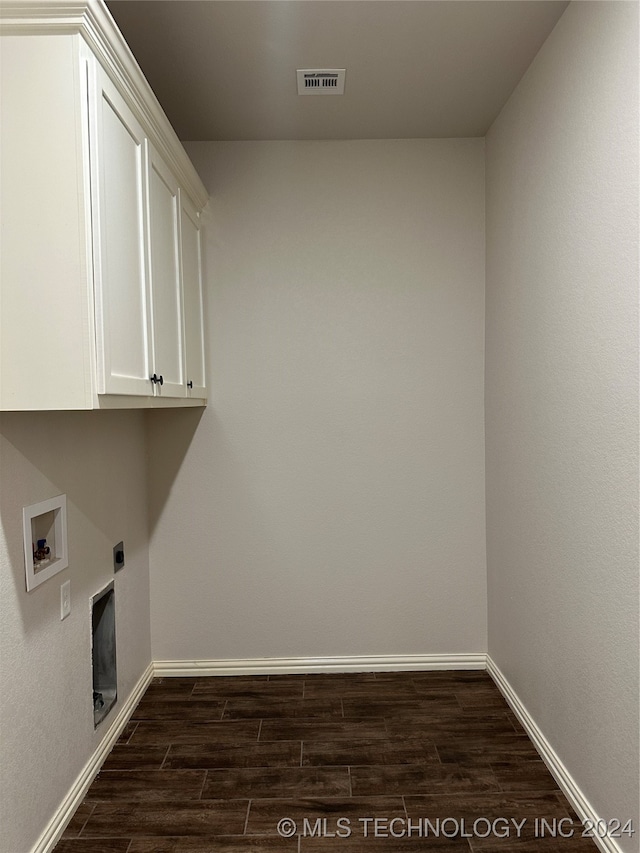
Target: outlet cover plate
x: 65, y: 599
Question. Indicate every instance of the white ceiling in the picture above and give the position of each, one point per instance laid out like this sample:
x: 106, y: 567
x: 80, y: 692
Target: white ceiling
x: 226, y: 69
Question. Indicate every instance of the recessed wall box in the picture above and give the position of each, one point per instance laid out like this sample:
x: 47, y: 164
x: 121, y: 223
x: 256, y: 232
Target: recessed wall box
x: 45, y: 540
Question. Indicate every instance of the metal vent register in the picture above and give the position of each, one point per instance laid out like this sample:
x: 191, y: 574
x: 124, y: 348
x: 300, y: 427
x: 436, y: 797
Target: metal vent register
x: 321, y: 81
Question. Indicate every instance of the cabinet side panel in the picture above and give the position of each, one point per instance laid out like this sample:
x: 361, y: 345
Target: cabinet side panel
x: 192, y: 290
x: 45, y: 349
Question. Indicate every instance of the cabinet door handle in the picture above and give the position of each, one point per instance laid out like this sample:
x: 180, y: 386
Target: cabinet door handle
x: 154, y: 378
x: 161, y: 379
x: 189, y: 384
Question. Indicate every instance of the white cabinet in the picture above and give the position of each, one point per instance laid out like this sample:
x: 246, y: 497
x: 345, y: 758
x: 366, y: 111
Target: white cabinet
x: 117, y: 153
x: 163, y: 243
x: 101, y: 274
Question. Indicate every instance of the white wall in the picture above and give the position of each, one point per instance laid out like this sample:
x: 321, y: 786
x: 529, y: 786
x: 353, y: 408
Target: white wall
x: 561, y: 398
x: 46, y: 726
x: 331, y: 501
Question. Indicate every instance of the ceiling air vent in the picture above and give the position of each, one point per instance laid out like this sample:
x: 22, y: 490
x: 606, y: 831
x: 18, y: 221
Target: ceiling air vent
x: 321, y: 81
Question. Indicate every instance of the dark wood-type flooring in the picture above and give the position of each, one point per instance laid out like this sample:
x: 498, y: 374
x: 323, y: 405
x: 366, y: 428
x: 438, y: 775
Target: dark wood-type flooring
x: 211, y: 765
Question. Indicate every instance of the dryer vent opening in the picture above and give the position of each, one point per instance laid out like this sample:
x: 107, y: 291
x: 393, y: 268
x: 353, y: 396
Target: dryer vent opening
x: 103, y: 651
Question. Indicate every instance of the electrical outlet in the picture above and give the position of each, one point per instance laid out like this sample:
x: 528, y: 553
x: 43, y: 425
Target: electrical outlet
x: 118, y: 557
x: 65, y: 599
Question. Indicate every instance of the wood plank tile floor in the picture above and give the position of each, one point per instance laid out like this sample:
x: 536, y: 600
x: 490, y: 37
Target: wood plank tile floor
x: 360, y: 763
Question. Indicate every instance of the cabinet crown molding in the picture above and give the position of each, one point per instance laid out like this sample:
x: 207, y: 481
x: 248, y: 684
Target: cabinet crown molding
x: 93, y: 22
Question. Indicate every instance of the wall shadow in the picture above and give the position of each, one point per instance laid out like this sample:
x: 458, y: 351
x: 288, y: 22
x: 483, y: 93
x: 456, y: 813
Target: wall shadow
x: 169, y: 434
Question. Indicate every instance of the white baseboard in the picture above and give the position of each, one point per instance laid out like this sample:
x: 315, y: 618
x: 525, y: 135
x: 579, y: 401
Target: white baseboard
x: 66, y: 809
x: 565, y: 780
x: 360, y: 663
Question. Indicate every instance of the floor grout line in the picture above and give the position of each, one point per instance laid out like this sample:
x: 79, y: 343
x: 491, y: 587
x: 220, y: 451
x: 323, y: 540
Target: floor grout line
x: 246, y: 820
x: 204, y: 782
x: 128, y: 740
x: 162, y: 767
x: 93, y: 808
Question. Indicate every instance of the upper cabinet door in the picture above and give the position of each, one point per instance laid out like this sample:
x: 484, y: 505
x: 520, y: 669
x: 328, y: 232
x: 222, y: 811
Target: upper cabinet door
x: 191, y: 265
x: 164, y: 270
x: 117, y: 150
